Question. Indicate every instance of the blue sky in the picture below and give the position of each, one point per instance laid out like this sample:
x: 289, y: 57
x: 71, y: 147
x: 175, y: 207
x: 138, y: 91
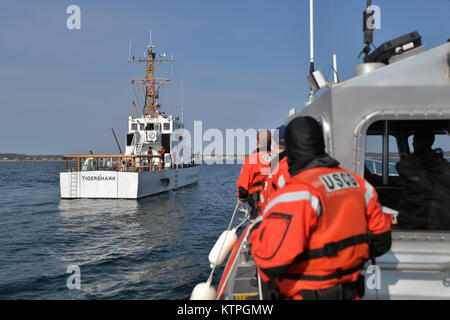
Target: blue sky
x: 243, y: 64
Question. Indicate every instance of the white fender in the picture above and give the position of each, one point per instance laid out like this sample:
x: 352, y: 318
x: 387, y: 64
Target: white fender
x: 227, y: 239
x: 204, y: 291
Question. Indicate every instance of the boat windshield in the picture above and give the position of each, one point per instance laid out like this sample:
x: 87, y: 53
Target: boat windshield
x: 408, y: 162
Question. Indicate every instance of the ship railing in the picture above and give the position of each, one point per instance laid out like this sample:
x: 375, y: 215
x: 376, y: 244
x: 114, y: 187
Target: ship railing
x: 372, y: 163
x: 120, y: 163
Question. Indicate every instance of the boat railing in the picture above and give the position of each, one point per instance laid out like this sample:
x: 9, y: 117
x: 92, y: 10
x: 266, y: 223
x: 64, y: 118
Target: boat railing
x: 372, y: 162
x: 120, y: 163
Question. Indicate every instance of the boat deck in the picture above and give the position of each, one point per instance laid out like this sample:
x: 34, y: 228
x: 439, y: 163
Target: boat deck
x: 239, y: 287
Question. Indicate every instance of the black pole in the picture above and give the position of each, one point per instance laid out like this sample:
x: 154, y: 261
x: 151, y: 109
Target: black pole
x: 368, y: 32
x: 117, y: 141
x: 385, y: 157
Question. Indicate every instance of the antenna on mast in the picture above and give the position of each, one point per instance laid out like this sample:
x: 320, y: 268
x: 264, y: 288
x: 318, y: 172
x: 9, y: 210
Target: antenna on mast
x: 129, y: 50
x: 315, y: 78
x: 182, y: 102
x: 150, y: 84
x: 311, y: 36
x: 312, y: 81
x: 368, y: 31
x: 335, y: 72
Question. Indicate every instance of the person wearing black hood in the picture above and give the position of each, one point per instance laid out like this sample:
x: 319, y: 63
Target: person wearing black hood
x: 313, y: 239
x: 424, y: 205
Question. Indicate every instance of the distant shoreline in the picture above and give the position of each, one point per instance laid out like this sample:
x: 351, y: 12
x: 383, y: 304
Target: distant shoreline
x: 15, y: 157
x: 32, y: 160
x: 18, y: 157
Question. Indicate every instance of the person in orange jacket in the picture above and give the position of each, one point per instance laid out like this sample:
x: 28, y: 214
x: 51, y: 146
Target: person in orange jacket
x: 278, y: 166
x: 162, y: 152
x: 317, y: 231
x: 252, y: 181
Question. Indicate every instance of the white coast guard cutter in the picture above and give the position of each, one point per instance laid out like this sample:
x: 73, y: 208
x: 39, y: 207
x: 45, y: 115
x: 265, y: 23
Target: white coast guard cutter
x: 149, y: 164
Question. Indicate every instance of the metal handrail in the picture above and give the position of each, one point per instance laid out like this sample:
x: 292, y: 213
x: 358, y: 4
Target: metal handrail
x: 374, y: 161
x: 121, y: 163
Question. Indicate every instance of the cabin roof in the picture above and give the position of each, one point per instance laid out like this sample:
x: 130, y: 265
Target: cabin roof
x: 416, y: 87
x: 416, y: 83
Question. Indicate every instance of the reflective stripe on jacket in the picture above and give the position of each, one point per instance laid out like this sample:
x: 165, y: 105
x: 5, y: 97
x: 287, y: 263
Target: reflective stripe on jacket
x: 254, y: 173
x: 314, y: 232
x: 279, y: 174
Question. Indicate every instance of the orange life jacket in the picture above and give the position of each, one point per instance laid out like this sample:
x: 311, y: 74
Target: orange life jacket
x: 341, y: 237
x: 253, y: 177
x: 318, y: 226
x: 279, y: 174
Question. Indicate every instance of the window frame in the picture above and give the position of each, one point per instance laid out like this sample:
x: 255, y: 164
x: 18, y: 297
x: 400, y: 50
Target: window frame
x: 360, y: 136
x: 164, y: 126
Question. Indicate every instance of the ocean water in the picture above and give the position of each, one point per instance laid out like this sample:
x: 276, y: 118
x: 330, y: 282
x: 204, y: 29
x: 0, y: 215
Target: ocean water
x: 153, y: 248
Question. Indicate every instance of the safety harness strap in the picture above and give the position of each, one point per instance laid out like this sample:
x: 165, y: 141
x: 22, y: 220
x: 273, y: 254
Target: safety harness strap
x: 341, y: 291
x: 335, y: 275
x: 331, y: 249
x: 258, y: 184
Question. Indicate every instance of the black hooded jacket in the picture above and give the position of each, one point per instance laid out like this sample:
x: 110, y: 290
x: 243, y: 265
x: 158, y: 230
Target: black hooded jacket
x: 425, y: 204
x: 305, y: 146
x: 305, y: 149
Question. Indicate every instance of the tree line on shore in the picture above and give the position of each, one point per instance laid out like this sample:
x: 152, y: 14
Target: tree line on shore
x: 29, y: 157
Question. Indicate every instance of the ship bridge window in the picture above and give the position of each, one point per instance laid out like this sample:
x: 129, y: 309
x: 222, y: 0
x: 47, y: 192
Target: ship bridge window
x: 150, y: 126
x: 408, y: 163
x: 134, y: 126
x: 141, y: 126
x: 130, y: 137
x: 166, y: 126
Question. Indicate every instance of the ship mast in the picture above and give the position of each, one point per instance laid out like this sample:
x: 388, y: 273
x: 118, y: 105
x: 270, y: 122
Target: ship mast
x: 150, y: 84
